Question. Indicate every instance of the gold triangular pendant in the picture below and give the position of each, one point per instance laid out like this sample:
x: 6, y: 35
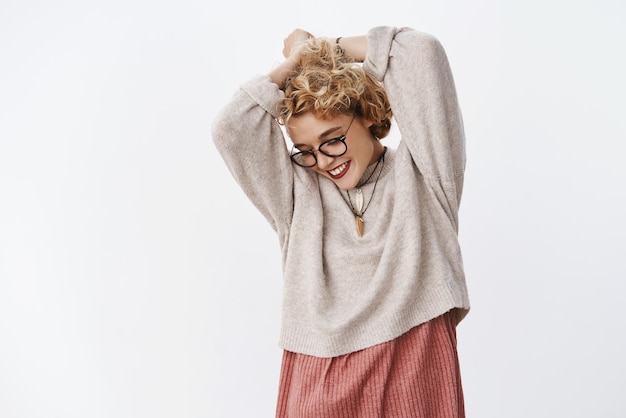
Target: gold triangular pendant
x: 359, y: 225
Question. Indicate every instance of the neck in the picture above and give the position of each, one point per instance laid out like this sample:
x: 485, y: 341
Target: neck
x: 371, y: 169
x: 379, y: 150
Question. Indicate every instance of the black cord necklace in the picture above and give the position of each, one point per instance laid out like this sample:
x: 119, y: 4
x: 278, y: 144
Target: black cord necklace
x: 359, y: 210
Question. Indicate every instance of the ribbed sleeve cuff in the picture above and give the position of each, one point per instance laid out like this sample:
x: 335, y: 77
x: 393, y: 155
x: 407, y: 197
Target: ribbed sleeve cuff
x: 378, y: 46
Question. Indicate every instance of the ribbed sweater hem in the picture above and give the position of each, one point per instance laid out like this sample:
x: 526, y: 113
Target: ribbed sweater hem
x: 304, y: 340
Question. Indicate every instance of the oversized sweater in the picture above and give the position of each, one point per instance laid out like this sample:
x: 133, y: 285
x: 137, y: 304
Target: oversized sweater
x: 344, y: 292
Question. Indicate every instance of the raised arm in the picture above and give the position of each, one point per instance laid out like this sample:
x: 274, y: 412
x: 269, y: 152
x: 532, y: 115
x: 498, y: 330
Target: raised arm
x: 253, y: 147
x: 417, y: 77
x: 250, y: 140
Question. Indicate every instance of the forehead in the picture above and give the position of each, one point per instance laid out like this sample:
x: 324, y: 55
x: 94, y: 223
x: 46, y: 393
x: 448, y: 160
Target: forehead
x: 310, y: 129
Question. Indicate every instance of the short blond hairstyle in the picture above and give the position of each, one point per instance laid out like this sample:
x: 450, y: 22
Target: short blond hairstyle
x: 326, y: 82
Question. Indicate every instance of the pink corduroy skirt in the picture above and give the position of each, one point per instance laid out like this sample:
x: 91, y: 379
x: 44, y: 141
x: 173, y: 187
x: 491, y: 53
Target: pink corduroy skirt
x: 413, y: 376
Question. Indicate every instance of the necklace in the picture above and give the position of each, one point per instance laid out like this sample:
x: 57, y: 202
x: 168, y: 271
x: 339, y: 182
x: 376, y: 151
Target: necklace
x: 357, y: 209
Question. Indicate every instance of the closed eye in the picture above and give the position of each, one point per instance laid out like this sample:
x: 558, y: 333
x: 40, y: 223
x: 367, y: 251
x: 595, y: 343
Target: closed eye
x: 334, y: 141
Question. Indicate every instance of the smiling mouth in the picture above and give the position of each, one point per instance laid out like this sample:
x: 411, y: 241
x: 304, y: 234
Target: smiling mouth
x: 340, y: 171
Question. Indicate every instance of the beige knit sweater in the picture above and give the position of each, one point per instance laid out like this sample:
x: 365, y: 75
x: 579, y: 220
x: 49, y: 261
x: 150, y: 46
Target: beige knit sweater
x: 342, y: 292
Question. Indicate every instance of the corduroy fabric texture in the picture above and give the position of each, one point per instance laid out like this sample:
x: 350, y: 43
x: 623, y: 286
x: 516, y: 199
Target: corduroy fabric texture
x: 413, y: 376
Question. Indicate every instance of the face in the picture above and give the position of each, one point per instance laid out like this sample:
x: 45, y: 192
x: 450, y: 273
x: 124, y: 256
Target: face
x: 307, y: 132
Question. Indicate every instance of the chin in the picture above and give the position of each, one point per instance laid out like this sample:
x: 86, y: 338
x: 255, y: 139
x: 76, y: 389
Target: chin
x: 345, y: 183
x: 349, y: 180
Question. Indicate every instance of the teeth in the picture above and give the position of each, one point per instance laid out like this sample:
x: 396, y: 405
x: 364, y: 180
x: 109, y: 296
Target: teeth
x: 338, y: 170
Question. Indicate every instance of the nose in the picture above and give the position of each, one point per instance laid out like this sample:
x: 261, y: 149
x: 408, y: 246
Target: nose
x: 324, y: 162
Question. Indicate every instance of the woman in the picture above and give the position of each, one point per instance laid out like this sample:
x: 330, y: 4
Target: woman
x: 373, y: 277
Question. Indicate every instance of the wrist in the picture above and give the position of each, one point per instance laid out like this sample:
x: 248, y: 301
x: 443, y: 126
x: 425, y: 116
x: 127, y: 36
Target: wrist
x: 353, y: 46
x: 280, y: 73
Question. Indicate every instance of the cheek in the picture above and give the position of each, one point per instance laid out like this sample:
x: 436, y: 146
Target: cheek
x: 360, y: 146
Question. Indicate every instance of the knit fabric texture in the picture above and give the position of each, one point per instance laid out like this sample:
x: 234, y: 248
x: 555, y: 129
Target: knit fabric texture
x: 343, y: 292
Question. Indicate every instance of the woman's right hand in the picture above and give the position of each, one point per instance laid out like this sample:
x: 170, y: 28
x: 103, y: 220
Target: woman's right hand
x: 291, y: 45
x: 294, y: 41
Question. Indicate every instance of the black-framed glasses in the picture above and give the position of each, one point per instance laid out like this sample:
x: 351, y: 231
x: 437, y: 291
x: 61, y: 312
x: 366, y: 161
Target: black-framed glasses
x: 333, y: 147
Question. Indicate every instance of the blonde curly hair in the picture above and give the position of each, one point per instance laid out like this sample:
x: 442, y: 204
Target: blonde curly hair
x: 326, y: 82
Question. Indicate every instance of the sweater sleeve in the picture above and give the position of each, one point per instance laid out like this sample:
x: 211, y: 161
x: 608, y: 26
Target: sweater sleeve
x: 252, y: 144
x: 414, y: 69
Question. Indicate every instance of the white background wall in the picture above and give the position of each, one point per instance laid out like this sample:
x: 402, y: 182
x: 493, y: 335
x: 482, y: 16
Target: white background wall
x: 137, y: 281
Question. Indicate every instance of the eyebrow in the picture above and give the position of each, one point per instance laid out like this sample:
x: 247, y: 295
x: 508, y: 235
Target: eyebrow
x: 322, y: 135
